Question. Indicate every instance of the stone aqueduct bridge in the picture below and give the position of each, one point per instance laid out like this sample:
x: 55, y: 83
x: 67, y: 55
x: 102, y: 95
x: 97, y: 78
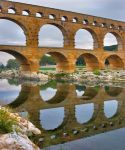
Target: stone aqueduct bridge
x: 69, y: 23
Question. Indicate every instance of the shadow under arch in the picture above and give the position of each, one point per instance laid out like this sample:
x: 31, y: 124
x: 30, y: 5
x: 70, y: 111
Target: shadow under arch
x: 25, y: 64
x: 92, y: 33
x: 113, y: 91
x: 91, y: 61
x: 23, y: 96
x: 114, y: 62
x: 60, y: 27
x: 61, y: 94
x: 89, y: 93
x: 17, y: 22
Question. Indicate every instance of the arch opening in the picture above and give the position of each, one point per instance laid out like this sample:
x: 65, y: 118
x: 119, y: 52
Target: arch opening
x: 114, y: 62
x: 87, y: 61
x: 8, y: 92
x: 86, y: 39
x: 25, y: 12
x: 52, y: 16
x: 94, y: 23
x: 39, y: 14
x: 86, y: 93
x: 12, y: 10
x: 84, y: 113
x: 54, y: 61
x: 51, y: 119
x: 85, y: 22
x: 48, y: 39
x: 112, y: 42
x: 11, y: 59
x: 103, y: 25
x: 53, y: 92
x: 75, y: 20
x: 15, y: 36
x: 113, y: 91
x: 110, y: 108
x: 64, y: 18
x: 112, y: 26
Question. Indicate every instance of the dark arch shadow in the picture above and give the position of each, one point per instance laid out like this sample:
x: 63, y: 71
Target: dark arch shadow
x: 91, y: 61
x: 113, y: 91
x: 114, y: 62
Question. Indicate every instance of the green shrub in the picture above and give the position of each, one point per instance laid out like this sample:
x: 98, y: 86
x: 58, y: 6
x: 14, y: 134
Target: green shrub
x: 96, y: 72
x: 6, y: 121
x: 59, y: 75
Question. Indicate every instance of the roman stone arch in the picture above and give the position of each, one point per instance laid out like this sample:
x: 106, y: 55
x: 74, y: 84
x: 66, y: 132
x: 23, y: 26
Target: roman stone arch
x: 114, y: 62
x: 91, y: 61
x: 60, y: 28
x: 62, y: 63
x: 93, y: 38
x: 24, y: 62
x: 18, y: 23
x: 118, y: 39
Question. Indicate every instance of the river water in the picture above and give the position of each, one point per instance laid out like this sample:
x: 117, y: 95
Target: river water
x: 70, y: 116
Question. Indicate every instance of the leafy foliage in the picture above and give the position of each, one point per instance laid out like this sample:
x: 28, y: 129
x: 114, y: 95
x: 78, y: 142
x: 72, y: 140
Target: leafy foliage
x: 111, y: 48
x: 96, y: 72
x: 12, y: 64
x: 6, y: 121
x: 47, y: 60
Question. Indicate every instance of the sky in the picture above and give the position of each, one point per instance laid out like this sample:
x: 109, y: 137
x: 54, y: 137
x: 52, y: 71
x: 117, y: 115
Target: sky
x: 114, y: 9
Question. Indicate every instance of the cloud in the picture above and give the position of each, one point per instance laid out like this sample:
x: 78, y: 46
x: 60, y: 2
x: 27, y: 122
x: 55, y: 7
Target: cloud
x: 106, y: 8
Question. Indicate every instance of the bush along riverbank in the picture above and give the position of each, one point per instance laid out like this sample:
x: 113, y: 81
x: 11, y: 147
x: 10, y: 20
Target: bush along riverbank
x: 14, y: 132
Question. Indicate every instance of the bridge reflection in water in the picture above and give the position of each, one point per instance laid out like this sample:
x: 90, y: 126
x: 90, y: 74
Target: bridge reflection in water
x: 66, y: 112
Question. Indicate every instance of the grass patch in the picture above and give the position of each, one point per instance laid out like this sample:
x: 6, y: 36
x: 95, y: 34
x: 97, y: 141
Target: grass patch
x: 97, y: 72
x: 60, y: 75
x: 7, y: 121
x: 47, y: 69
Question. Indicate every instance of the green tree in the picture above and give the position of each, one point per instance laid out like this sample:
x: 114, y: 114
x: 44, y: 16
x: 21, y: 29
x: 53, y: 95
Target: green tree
x: 111, y: 48
x: 12, y: 64
x: 47, y: 60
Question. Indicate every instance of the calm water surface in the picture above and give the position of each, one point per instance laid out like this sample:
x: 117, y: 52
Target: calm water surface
x: 70, y: 116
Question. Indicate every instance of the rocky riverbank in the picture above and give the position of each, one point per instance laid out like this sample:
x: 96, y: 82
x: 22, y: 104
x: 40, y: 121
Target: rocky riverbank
x: 97, y: 76
x: 17, y: 139
x: 103, y: 76
x: 8, y: 74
